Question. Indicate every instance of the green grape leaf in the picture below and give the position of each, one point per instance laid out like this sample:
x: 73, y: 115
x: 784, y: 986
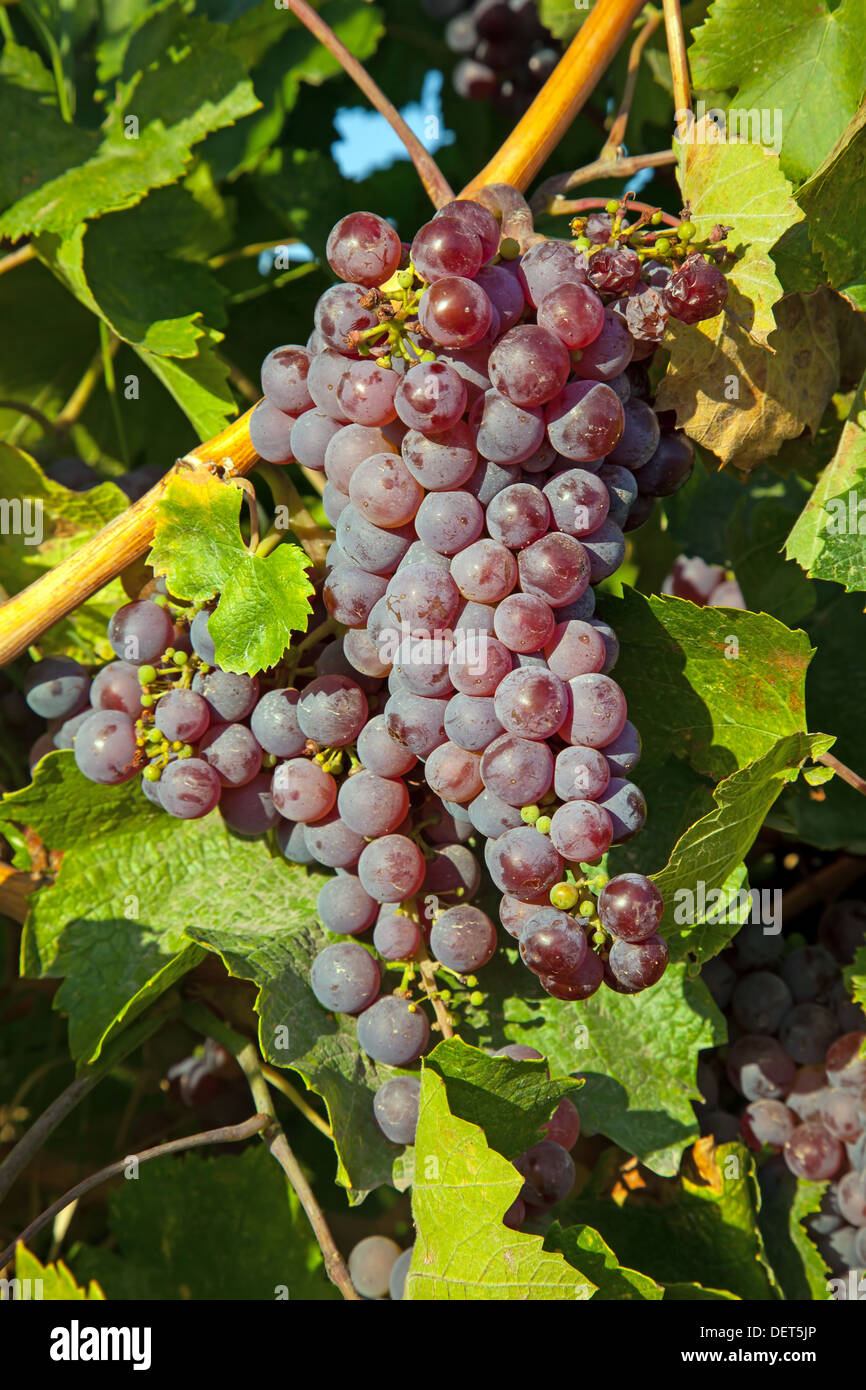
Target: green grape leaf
x: 741, y: 186
x: 827, y: 540
x: 793, y: 1254
x: 587, y: 1252
x: 198, y: 547
x: 563, y: 17
x: 713, y: 848
x: 49, y: 1283
x: 208, y: 1228
x: 511, y: 1101
x: 718, y: 686
x: 780, y: 64
x: 701, y: 1228
x: 113, y: 925
x: 462, y: 1190
x: 637, y: 1055
x: 275, y: 950
x: 737, y: 398
x: 835, y: 202
x: 43, y: 524
x: 696, y: 1293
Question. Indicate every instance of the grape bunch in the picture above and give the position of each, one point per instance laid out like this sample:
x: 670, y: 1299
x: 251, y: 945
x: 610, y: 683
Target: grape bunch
x: 481, y: 415
x: 377, y: 1265
x: 797, y: 1058
x: 505, y: 53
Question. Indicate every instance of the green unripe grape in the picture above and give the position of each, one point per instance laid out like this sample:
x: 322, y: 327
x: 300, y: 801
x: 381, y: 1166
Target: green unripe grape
x: 663, y: 246
x: 147, y: 701
x: 530, y: 814
x: 151, y: 773
x: 185, y: 751
x: 168, y: 653
x: 687, y: 231
x: 445, y: 994
x: 599, y: 937
x: 146, y: 674
x: 583, y: 243
x: 180, y: 658
x: 587, y: 908
x: 543, y: 824
x: 509, y: 249
x: 471, y: 981
x: 428, y: 356
x: 612, y: 207
x: 656, y: 219
x: 154, y: 735
x: 476, y: 998
x: 564, y: 896
x: 600, y: 881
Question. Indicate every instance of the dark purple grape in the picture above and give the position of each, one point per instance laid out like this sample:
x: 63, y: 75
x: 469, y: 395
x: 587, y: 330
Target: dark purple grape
x: 548, y: 1173
x: 638, y: 964
x: 395, y: 1107
x: 696, y: 290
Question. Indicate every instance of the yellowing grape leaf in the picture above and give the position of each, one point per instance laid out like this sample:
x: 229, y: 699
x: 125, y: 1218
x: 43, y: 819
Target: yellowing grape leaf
x: 48, y: 1283
x: 739, y: 183
x: 740, y: 399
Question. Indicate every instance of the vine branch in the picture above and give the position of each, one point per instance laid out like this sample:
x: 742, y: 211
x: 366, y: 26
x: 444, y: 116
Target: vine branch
x: 278, y: 1145
x: 24, y: 253
x: 438, y: 189
x: 564, y: 94
x: 548, y: 197
x: 615, y: 140
x: 852, y: 778
x: 25, y: 617
x: 228, y: 1134
x: 677, y: 51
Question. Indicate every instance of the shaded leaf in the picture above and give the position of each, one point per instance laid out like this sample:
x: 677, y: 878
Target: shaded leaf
x: 792, y: 1253
x: 511, y: 1101
x: 637, y: 1056
x: 227, y: 1228
x: 586, y: 1251
x: 702, y: 1228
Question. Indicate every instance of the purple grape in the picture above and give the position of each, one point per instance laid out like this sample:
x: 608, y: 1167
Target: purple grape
x: 395, y: 1107
x: 393, y: 1031
x: 189, y: 789
x: 345, y: 978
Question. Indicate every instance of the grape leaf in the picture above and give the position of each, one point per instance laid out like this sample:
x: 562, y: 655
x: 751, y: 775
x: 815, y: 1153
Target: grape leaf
x: 720, y: 687
x: 54, y: 1282
x: 741, y: 186
x: 21, y: 67
x: 461, y: 1192
x: 827, y: 540
x: 38, y: 146
x: 737, y: 398
x: 833, y: 199
x: 794, y: 1256
x: 586, y: 1251
x: 112, y: 927
x: 703, y: 1227
x: 43, y: 524
x: 208, y: 1228
x: 198, y: 547
x: 511, y: 1101
x: 713, y: 848
x: 783, y: 62
x: 275, y: 951
x: 637, y: 1054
